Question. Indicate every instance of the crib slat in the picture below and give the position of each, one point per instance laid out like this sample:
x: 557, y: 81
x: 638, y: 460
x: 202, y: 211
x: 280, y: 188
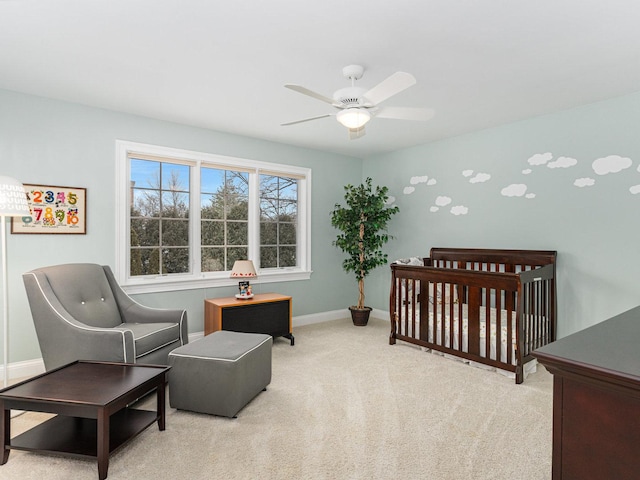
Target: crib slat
x: 473, y: 322
x: 499, y: 294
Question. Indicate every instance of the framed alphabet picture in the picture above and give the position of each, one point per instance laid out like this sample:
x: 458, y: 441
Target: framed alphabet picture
x: 59, y: 210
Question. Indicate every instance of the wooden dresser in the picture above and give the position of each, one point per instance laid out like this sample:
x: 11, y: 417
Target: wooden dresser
x: 596, y: 400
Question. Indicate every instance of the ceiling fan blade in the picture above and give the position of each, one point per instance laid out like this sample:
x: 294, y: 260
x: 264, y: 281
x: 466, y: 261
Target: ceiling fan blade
x: 389, y: 87
x: 355, y: 133
x: 306, y: 91
x: 406, y: 113
x: 306, y: 119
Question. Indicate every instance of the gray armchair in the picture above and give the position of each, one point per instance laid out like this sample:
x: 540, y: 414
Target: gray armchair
x: 81, y: 313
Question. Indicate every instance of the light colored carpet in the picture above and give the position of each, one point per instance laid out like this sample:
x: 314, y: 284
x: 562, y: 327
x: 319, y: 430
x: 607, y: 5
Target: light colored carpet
x: 343, y: 404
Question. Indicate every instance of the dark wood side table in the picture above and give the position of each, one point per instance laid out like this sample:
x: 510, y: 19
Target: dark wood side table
x: 90, y: 400
x: 268, y: 313
x: 596, y: 400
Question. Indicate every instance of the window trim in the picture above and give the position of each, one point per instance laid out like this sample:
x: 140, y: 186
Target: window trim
x: 174, y: 282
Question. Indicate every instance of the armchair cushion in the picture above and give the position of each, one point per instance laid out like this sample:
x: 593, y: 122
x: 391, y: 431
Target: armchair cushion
x: 148, y: 337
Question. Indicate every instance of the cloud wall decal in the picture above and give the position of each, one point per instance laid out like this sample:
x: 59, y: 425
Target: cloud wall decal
x: 584, y: 182
x: 635, y: 189
x: 514, y: 190
x: 563, y: 162
x: 416, y: 180
x: 540, y: 158
x: 467, y: 173
x: 480, y: 178
x: 443, y: 201
x: 459, y: 210
x: 610, y: 164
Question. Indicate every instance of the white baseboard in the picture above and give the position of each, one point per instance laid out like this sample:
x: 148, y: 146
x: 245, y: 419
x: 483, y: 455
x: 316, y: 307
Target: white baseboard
x: 333, y: 315
x: 30, y: 368
x: 25, y: 369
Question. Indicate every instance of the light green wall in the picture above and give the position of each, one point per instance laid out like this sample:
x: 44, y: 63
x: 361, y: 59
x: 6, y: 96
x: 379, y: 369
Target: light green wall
x: 594, y: 229
x: 52, y: 142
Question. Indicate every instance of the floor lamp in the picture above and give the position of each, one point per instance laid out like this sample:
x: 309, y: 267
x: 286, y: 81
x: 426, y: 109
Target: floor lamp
x: 13, y: 203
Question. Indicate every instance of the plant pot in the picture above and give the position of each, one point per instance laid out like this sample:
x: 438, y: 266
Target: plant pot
x: 360, y: 316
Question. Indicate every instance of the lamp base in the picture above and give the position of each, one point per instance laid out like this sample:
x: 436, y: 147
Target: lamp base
x: 244, y: 288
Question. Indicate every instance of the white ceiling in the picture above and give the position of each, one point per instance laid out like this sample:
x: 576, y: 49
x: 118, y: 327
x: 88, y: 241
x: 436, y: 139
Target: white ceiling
x: 222, y: 64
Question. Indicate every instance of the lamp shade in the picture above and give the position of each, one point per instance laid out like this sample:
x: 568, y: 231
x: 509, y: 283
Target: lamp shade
x: 13, y: 199
x: 353, y: 117
x: 243, y: 269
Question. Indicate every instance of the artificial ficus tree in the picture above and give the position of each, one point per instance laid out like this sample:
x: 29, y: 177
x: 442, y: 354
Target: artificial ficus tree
x: 363, y: 226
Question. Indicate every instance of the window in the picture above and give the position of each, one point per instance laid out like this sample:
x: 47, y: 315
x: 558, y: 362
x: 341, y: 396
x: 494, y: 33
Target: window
x: 184, y: 218
x: 224, y: 218
x: 278, y: 220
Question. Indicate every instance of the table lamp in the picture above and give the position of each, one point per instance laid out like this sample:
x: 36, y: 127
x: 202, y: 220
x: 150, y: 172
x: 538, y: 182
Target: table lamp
x: 243, y: 269
x: 13, y: 203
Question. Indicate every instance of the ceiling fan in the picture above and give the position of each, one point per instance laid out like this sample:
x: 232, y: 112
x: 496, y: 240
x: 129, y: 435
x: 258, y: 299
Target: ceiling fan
x: 356, y: 105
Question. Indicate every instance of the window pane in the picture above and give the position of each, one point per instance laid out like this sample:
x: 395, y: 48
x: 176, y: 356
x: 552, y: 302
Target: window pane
x: 209, y: 208
x: 269, y: 209
x: 145, y: 232
x: 175, y: 260
x: 287, y: 234
x: 175, y: 205
x: 238, y: 208
x: 268, y: 257
x: 237, y: 233
x: 288, y: 188
x: 287, y: 257
x: 145, y: 203
x: 145, y: 173
x: 145, y: 261
x: 211, y: 180
x: 175, y: 177
x: 235, y: 253
x: 287, y: 210
x: 268, y: 233
x: 238, y: 182
x: 212, y: 259
x: 175, y: 232
x: 212, y: 233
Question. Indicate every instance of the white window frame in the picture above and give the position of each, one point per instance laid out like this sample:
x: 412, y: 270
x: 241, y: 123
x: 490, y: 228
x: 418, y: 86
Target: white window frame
x: 197, y: 279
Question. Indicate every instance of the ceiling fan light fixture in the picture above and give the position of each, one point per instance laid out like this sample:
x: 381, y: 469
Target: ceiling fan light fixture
x: 353, y: 117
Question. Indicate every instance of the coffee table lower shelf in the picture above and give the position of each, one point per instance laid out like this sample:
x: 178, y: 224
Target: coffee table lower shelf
x: 76, y: 437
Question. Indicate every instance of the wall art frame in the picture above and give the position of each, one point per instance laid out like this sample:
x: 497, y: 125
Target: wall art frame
x: 54, y: 210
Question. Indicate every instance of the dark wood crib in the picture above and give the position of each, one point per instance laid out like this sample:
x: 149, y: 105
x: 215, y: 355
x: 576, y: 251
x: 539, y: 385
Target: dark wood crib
x: 488, y: 306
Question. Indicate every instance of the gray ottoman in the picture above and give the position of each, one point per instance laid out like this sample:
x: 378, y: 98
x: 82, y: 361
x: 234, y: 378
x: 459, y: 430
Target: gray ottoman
x: 220, y: 373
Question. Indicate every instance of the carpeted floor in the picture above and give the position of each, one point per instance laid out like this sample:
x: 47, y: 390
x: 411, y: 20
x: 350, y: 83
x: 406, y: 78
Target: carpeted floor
x: 343, y: 404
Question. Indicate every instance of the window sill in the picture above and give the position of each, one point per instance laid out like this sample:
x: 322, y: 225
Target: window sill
x: 155, y: 285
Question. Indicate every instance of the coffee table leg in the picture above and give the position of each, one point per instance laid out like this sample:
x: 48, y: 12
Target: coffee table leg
x: 161, y: 393
x: 5, y: 433
x: 103, y: 443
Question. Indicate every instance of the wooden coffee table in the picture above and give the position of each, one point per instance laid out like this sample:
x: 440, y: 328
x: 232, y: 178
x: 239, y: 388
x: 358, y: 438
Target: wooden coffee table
x: 90, y: 400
